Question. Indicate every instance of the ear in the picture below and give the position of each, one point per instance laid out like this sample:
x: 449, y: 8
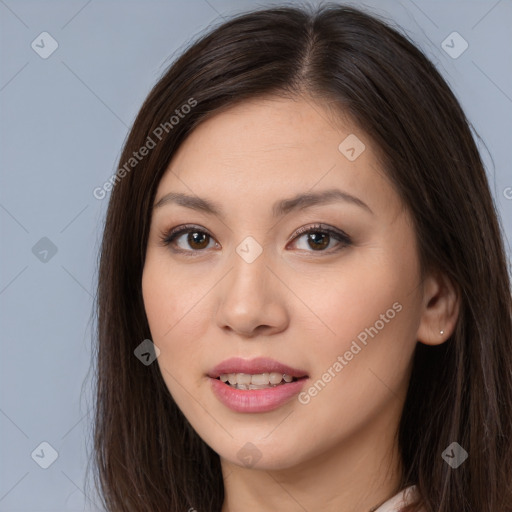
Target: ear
x: 441, y: 301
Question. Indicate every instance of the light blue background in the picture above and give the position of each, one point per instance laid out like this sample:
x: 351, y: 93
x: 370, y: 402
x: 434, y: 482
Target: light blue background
x: 63, y: 121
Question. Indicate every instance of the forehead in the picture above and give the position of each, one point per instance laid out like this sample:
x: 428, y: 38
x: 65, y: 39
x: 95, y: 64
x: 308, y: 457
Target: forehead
x: 274, y: 145
x: 268, y: 125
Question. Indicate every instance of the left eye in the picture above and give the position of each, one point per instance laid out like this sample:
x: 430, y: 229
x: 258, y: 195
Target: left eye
x: 318, y: 238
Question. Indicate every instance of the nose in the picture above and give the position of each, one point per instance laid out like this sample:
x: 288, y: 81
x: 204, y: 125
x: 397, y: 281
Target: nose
x: 252, y: 300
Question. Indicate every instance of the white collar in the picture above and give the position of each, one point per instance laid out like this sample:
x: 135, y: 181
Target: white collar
x: 398, y: 501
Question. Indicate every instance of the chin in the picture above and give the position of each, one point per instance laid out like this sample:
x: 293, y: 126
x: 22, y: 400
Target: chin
x: 274, y: 455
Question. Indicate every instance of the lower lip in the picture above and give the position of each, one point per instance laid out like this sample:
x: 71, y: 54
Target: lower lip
x: 256, y: 400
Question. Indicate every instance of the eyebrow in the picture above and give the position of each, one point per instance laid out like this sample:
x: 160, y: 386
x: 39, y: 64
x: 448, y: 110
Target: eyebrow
x: 280, y: 208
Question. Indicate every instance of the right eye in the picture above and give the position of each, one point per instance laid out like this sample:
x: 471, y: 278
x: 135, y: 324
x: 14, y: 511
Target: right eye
x: 196, y: 238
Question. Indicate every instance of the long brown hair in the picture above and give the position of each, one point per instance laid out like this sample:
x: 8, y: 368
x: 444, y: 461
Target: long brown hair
x: 147, y: 456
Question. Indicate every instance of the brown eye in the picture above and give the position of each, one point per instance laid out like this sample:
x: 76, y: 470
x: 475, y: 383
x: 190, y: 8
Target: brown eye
x: 196, y: 240
x: 318, y: 238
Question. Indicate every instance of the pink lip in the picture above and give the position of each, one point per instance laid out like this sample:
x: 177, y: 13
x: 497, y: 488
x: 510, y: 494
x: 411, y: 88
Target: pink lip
x: 254, y: 366
x: 255, y: 400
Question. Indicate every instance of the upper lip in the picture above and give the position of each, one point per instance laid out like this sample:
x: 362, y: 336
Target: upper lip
x: 254, y: 367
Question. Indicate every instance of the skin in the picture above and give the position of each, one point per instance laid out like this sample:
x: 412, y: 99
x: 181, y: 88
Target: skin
x: 295, y: 303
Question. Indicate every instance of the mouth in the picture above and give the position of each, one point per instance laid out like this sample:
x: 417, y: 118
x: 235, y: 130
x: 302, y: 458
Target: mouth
x: 248, y: 381
x: 256, y: 385
x: 260, y: 371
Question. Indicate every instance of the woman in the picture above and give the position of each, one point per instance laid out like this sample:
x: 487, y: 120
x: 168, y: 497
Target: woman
x: 303, y: 300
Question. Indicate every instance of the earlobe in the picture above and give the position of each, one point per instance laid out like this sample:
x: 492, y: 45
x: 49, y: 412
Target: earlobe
x: 440, y: 309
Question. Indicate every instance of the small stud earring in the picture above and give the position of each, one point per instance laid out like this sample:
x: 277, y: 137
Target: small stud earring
x: 441, y: 332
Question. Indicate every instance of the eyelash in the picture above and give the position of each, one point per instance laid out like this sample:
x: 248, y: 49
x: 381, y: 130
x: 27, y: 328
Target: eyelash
x: 168, y: 237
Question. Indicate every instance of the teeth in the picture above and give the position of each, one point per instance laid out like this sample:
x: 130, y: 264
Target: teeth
x: 258, y: 381
x: 243, y: 378
x: 275, y: 378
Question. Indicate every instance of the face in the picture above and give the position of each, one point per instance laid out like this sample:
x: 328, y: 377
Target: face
x: 326, y: 292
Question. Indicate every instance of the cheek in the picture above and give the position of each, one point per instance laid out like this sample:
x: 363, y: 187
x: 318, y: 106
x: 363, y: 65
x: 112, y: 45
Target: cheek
x: 159, y: 300
x: 352, y: 300
x: 173, y: 309
x: 368, y: 313
x: 171, y: 296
